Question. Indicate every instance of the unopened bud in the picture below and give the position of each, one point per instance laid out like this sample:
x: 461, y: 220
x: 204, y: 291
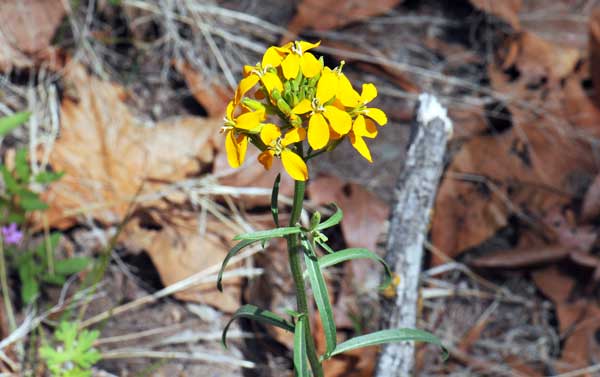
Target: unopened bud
x: 253, y: 104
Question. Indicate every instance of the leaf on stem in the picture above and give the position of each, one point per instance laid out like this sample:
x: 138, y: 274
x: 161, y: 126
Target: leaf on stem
x: 344, y: 255
x: 321, y: 295
x: 257, y: 314
x: 388, y: 336
x: 300, y: 355
x: 335, y: 219
x: 234, y: 250
x: 268, y: 234
x: 274, y: 199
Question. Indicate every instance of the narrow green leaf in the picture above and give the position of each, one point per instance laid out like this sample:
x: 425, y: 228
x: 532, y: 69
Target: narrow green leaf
x: 234, y: 250
x: 388, y: 336
x: 257, y: 314
x: 268, y: 234
x: 46, y: 177
x: 300, y: 356
x: 11, y: 183
x: 11, y: 122
x: 71, y: 266
x: 29, y: 285
x: 333, y: 220
x: 355, y: 253
x: 321, y: 295
x: 54, y: 279
x: 274, y: 200
x: 325, y: 246
x: 21, y: 165
x: 31, y: 203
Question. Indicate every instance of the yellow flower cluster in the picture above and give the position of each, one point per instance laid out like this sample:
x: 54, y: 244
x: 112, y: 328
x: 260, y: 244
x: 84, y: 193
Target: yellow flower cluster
x: 313, y: 102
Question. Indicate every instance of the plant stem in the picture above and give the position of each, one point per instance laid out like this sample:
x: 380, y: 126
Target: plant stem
x: 12, y: 324
x: 294, y: 253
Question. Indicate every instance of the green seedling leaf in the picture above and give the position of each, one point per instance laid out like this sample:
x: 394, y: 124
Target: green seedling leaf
x: 11, y: 122
x: 333, y: 220
x: 257, y: 314
x: 54, y: 279
x: 355, y: 253
x: 388, y: 336
x: 46, y: 177
x: 274, y: 200
x: 234, y: 250
x: 21, y: 165
x: 30, y: 288
x: 32, y: 203
x: 324, y: 246
x: 269, y: 234
x: 9, y: 181
x: 321, y: 295
x: 71, y: 266
x: 17, y: 218
x: 300, y: 355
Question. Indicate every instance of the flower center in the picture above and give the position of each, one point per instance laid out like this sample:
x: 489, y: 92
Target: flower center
x: 316, y: 106
x: 296, y: 49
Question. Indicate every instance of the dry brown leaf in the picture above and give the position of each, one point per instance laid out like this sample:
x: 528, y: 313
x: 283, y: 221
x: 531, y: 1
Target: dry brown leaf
x: 178, y: 250
x: 211, y: 94
x: 107, y: 156
x: 590, y: 208
x: 558, y: 287
x: 594, y: 52
x: 518, y: 170
x: 525, y: 257
x: 581, y: 347
x: 330, y: 14
x: 26, y: 29
x: 507, y: 10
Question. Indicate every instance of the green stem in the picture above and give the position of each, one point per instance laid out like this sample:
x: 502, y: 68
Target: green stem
x: 12, y: 324
x: 294, y: 253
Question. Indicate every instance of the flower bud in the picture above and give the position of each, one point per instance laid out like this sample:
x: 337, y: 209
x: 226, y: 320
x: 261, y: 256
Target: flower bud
x: 253, y: 105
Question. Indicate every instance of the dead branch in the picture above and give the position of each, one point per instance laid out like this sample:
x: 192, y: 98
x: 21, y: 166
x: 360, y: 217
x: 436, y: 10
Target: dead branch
x: 415, y: 193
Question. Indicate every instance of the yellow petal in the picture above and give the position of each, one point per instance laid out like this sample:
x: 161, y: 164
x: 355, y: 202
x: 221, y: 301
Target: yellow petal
x: 290, y: 66
x: 245, y: 85
x: 371, y: 130
x: 236, y: 147
x: 271, y: 81
x: 305, y: 46
x: 272, y: 57
x: 266, y: 159
x: 310, y: 65
x: 248, y: 70
x: 369, y: 92
x: 250, y: 120
x: 338, y: 119
x: 364, y: 127
x: 285, y: 48
x: 318, y: 131
x: 327, y: 86
x: 359, y: 144
x: 294, y: 165
x: 346, y: 93
x: 377, y: 115
x: 229, y: 111
x: 293, y: 136
x: 303, y: 107
x: 269, y: 134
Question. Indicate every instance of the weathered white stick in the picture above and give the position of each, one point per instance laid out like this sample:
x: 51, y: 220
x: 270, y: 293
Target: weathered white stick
x: 415, y: 192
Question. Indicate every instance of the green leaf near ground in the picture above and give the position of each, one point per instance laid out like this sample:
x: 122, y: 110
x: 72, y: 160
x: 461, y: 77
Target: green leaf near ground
x: 257, y: 314
x: 9, y: 123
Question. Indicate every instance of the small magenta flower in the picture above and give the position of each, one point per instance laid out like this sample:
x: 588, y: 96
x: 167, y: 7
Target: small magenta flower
x: 11, y: 234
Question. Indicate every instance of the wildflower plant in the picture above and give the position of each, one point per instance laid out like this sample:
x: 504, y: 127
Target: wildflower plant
x: 294, y: 108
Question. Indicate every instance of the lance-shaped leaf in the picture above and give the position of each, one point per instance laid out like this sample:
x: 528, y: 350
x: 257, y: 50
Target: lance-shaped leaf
x: 332, y: 259
x: 257, y: 314
x: 321, y: 295
x: 300, y: 357
x: 234, y: 250
x: 274, y: 199
x: 269, y: 234
x: 11, y: 122
x: 333, y: 220
x: 388, y: 336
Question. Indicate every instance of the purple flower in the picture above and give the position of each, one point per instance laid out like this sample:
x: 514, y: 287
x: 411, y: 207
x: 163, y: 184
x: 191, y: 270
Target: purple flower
x: 11, y: 234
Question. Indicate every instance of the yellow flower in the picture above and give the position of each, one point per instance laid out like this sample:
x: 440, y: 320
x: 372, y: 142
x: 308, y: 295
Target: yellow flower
x: 323, y: 117
x: 298, y: 59
x: 277, y: 146
x: 362, y: 128
x: 350, y: 98
x: 260, y: 72
x: 236, y: 133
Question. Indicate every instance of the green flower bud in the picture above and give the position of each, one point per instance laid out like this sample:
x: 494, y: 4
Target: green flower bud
x: 253, y: 104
